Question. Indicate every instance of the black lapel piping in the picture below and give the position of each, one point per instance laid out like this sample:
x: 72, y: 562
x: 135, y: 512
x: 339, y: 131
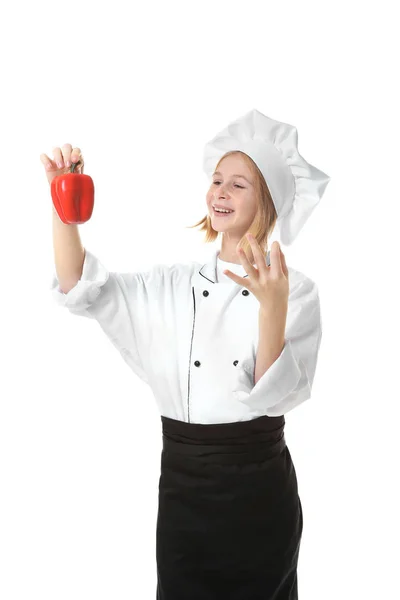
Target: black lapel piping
x: 194, y: 319
x: 190, y: 353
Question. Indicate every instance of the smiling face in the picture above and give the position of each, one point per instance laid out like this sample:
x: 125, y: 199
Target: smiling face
x: 232, y: 187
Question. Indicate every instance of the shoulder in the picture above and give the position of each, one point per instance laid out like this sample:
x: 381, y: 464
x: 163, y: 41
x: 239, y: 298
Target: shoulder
x: 160, y: 271
x: 174, y: 273
x: 177, y: 269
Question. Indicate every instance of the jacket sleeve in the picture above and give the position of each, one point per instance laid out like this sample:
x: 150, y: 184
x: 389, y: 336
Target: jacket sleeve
x: 288, y: 381
x: 121, y: 303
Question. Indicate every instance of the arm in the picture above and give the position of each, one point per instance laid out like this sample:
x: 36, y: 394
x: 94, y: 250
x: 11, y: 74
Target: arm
x: 271, y: 340
x: 125, y: 305
x: 287, y: 382
x: 69, y: 254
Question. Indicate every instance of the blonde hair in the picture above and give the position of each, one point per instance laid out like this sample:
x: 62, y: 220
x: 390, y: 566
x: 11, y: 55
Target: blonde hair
x: 266, y: 215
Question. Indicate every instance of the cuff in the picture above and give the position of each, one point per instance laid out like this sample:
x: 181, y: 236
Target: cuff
x: 276, y: 383
x: 85, y: 292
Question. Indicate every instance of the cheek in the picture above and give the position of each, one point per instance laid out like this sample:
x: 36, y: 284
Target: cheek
x: 246, y: 209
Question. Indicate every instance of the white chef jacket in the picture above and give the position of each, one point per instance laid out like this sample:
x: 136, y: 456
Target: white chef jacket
x: 191, y: 333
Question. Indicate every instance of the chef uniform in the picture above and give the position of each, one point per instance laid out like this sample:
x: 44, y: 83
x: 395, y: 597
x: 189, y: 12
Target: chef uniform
x: 230, y: 519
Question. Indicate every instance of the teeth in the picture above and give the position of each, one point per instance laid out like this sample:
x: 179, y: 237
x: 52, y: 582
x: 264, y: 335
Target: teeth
x: 222, y: 210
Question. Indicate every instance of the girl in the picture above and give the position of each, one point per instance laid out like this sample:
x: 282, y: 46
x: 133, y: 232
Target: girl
x: 228, y: 348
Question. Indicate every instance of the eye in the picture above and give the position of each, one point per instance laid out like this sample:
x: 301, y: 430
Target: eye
x: 235, y: 184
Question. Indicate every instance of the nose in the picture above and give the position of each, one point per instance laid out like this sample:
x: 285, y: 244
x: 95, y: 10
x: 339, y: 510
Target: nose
x: 220, y: 192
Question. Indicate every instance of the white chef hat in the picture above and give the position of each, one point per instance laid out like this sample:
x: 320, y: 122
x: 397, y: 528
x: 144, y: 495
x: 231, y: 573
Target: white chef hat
x: 296, y: 186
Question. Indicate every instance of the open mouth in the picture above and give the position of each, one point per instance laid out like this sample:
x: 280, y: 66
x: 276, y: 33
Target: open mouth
x: 222, y: 214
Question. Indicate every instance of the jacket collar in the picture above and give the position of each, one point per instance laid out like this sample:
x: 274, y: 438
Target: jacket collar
x: 209, y: 269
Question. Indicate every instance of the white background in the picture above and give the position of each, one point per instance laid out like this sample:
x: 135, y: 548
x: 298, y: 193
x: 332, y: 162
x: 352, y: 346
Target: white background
x: 140, y: 88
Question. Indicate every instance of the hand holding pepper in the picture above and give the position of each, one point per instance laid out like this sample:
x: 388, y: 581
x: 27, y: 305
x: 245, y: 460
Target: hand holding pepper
x: 72, y: 192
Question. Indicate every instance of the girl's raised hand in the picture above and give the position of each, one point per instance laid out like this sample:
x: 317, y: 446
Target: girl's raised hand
x: 269, y: 284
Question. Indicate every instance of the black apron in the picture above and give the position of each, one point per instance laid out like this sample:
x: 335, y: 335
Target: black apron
x: 229, y: 519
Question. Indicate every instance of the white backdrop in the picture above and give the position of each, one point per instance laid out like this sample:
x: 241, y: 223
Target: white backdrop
x: 140, y: 89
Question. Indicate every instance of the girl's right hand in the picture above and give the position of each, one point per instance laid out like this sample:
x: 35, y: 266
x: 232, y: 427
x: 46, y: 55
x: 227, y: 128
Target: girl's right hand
x: 59, y: 165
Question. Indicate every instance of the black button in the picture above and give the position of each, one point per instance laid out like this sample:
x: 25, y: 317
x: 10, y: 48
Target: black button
x: 245, y: 292
x: 235, y: 362
x: 205, y: 293
x: 197, y: 363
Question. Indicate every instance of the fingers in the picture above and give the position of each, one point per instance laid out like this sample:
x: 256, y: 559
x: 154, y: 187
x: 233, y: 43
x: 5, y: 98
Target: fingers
x: 63, y: 158
x: 76, y: 155
x: 233, y: 276
x: 245, y: 261
x: 258, y: 254
x: 66, y: 151
x: 66, y: 155
x: 283, y: 261
x: 58, y: 157
x: 47, y: 162
x: 278, y: 263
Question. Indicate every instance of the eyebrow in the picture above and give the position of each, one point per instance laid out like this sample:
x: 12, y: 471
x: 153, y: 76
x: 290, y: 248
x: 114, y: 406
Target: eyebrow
x: 235, y: 175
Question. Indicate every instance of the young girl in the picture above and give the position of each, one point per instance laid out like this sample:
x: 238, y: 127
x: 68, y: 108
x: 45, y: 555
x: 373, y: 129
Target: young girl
x: 228, y: 348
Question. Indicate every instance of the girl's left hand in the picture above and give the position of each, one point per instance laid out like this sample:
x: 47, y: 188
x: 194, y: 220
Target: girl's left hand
x: 269, y: 284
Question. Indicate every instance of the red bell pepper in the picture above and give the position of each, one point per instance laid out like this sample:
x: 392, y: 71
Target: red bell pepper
x: 73, y: 196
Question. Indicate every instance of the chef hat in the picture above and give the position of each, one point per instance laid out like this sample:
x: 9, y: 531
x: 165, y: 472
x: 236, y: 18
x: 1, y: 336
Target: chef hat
x: 296, y: 186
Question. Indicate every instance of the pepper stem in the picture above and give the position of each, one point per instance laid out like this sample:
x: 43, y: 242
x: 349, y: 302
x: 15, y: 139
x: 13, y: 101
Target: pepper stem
x: 74, y: 165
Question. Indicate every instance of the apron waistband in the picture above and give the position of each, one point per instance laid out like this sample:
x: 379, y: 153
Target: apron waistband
x: 241, y: 441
